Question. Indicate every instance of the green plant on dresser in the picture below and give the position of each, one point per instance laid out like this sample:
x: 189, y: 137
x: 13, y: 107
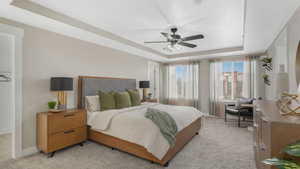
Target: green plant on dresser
x: 292, y: 150
x: 51, y: 104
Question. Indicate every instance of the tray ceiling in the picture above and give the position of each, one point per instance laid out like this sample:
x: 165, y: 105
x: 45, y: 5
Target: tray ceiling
x: 221, y: 22
x: 231, y: 27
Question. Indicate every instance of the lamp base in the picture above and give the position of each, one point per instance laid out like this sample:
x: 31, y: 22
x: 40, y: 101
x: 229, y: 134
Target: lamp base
x: 62, y: 100
x: 144, y: 94
x: 62, y: 107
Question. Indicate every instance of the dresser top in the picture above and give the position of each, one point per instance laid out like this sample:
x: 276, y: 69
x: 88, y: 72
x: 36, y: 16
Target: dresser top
x: 270, y: 112
x: 68, y: 111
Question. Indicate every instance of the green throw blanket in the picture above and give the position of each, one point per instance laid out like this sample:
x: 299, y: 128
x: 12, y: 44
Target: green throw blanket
x: 165, y: 123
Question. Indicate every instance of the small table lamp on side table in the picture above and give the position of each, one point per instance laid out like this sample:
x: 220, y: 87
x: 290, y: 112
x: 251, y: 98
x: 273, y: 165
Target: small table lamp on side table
x: 61, y: 85
x: 144, y: 85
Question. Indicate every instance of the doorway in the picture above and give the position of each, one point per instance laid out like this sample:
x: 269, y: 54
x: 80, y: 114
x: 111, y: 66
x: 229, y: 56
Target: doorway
x: 6, y: 97
x: 11, y: 42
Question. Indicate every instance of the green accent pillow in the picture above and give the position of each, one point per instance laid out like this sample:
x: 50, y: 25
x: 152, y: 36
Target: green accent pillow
x: 122, y: 100
x: 135, y: 97
x: 107, y: 100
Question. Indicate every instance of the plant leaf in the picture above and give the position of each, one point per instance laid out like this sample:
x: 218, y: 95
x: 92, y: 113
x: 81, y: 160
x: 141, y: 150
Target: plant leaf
x: 293, y: 149
x: 281, y: 164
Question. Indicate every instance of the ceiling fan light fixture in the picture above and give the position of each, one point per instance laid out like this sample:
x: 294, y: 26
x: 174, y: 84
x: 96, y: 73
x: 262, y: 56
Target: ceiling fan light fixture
x: 174, y: 47
x: 170, y: 47
x: 167, y: 49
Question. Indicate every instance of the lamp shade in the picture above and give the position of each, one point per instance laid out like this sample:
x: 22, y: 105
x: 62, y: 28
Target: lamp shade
x: 61, y: 84
x: 144, y: 84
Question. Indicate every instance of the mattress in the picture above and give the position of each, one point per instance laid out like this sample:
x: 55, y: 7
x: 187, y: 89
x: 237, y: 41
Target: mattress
x: 131, y: 125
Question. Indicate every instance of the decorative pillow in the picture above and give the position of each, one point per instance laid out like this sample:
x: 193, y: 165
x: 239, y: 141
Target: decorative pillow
x: 107, y: 100
x: 122, y: 100
x: 241, y: 101
x: 134, y: 97
x: 92, y: 103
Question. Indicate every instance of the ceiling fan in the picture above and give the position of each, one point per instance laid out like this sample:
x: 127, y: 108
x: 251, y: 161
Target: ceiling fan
x: 175, y: 39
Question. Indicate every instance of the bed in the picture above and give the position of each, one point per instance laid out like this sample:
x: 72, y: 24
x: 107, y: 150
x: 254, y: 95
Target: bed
x: 115, y: 136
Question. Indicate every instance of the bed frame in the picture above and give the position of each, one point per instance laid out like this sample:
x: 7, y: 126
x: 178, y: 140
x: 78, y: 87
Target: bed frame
x: 89, y: 85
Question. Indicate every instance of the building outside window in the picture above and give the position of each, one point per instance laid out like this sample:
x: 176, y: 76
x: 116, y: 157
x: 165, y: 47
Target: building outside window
x: 233, y: 72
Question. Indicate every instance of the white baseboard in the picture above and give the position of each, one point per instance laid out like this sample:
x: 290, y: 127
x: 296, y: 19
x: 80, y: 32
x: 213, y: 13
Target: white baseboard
x: 29, y: 151
x: 5, y: 131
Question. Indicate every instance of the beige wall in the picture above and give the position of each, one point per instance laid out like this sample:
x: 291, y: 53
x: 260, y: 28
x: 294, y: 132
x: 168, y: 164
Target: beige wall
x: 204, y: 83
x: 48, y: 54
x: 278, y: 52
x: 284, y: 51
x: 293, y: 39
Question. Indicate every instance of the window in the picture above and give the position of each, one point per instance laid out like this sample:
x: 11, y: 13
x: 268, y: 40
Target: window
x: 183, y: 81
x: 232, y: 78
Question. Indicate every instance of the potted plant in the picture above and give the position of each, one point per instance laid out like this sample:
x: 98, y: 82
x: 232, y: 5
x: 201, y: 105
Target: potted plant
x: 284, y: 163
x: 266, y: 79
x: 52, y: 105
x: 267, y: 63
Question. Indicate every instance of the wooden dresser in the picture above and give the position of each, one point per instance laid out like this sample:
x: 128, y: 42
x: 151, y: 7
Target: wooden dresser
x: 272, y: 132
x: 56, y: 131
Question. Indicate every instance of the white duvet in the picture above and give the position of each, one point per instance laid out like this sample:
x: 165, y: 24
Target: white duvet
x: 131, y: 125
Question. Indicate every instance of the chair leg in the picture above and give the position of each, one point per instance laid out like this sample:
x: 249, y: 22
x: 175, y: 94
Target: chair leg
x: 225, y: 119
x: 239, y: 122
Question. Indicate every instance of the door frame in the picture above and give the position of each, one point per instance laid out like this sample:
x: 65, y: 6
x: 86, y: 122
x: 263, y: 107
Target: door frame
x: 17, y: 74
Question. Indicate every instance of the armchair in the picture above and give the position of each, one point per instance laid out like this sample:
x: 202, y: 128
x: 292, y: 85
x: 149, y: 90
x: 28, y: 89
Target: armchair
x: 240, y: 111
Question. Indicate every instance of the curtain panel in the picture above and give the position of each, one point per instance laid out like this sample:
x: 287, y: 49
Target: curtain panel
x: 230, y: 80
x: 180, y: 84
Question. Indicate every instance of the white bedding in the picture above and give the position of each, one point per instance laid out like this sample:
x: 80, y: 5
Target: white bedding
x: 130, y: 124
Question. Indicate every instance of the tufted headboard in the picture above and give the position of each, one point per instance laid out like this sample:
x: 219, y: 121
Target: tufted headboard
x: 90, y: 85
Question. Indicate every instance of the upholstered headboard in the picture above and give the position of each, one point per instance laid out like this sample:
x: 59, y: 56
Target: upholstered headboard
x: 90, y: 85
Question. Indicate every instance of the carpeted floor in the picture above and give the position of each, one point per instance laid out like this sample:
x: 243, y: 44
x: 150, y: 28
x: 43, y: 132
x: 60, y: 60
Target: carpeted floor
x: 5, y: 147
x: 218, y: 146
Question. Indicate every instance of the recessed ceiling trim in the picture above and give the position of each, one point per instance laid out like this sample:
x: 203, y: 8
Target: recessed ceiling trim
x: 209, y: 52
x: 49, y: 13
x: 245, y: 20
x: 38, y: 9
x: 212, y: 57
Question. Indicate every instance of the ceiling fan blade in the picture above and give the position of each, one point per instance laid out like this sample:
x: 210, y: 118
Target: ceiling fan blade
x: 165, y: 34
x: 195, y: 37
x: 157, y: 42
x: 187, y: 44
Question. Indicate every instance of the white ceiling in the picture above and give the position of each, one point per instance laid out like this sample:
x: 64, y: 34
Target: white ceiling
x: 222, y: 22
x: 231, y: 27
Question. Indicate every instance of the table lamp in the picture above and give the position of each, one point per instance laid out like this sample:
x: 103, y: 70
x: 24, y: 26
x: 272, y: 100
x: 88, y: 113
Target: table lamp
x: 144, y: 85
x: 61, y: 85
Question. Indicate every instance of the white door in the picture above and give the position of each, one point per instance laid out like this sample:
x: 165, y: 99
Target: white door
x: 6, y: 90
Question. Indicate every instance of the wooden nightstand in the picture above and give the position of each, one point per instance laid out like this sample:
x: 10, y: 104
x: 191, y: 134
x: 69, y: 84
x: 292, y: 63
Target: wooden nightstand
x: 56, y: 131
x: 150, y: 100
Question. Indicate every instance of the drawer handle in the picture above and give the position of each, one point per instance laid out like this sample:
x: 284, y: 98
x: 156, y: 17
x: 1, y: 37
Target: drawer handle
x: 68, y: 132
x: 69, y: 115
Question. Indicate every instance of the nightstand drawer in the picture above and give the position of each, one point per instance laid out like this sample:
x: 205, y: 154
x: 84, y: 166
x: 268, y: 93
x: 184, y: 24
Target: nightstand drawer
x: 65, y: 121
x: 150, y: 100
x: 66, y: 138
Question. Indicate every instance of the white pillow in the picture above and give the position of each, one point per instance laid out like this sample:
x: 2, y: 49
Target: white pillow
x: 92, y: 103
